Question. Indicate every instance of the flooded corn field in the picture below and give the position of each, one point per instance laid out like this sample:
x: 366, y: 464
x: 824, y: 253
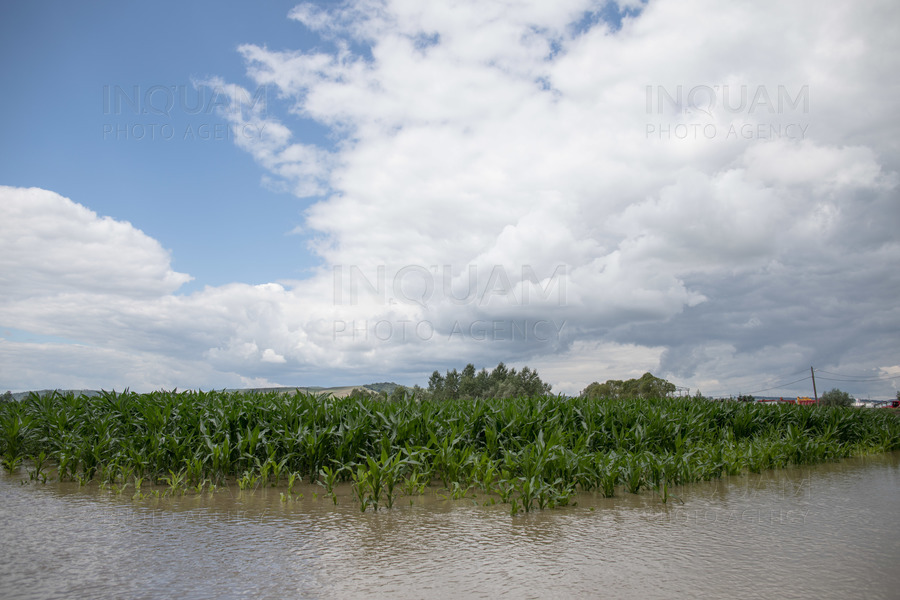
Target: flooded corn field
x: 825, y: 531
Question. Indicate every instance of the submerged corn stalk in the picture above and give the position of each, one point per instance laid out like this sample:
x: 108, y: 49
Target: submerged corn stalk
x: 530, y: 453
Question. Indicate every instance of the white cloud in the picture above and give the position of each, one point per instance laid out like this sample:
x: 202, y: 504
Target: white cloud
x: 497, y: 136
x: 51, y: 245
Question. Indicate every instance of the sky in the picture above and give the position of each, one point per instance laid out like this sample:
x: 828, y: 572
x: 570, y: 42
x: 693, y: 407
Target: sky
x: 219, y: 194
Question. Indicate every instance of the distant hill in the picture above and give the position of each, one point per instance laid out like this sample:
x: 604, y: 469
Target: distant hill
x: 20, y: 395
x: 387, y: 387
x: 339, y: 391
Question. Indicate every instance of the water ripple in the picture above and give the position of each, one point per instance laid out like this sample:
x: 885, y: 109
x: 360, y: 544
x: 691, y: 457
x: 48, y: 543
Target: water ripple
x: 826, y: 532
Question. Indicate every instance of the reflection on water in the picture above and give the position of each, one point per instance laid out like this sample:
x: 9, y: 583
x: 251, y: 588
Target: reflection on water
x: 828, y: 531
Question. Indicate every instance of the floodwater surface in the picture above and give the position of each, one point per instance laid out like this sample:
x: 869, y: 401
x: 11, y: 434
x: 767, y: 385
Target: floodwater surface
x: 827, y: 531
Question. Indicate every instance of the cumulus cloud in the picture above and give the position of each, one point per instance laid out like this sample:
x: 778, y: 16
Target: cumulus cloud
x: 51, y: 245
x: 709, y: 190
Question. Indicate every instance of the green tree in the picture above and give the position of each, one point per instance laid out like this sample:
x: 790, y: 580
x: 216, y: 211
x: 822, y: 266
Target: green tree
x: 499, y: 374
x: 647, y: 386
x: 836, y: 397
x: 611, y: 388
x: 400, y: 392
x: 502, y: 382
x: 530, y: 383
x: 451, y: 384
x: 467, y: 384
x: 436, y: 385
x: 482, y: 384
x: 594, y: 390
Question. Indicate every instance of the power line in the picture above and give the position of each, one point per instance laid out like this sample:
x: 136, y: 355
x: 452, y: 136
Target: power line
x: 785, y: 384
x: 840, y: 374
x: 857, y: 378
x: 796, y: 373
x: 780, y: 385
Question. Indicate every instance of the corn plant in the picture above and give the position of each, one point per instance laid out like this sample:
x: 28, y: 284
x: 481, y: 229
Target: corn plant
x: 329, y: 479
x: 176, y: 482
x: 363, y: 489
x: 248, y: 480
x: 138, y: 494
x: 414, y: 484
x: 37, y: 472
x: 632, y: 470
x: 528, y: 452
x: 292, y: 479
x: 13, y: 427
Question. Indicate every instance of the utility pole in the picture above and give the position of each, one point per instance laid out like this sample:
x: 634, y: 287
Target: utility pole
x: 815, y: 394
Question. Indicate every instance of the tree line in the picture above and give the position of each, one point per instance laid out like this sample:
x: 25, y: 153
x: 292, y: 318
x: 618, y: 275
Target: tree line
x: 505, y: 382
x: 500, y: 382
x: 646, y: 387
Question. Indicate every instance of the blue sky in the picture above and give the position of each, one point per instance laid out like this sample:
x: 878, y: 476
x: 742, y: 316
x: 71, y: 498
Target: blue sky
x: 215, y: 194
x: 186, y: 185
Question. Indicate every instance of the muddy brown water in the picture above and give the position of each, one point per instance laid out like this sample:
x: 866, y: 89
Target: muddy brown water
x: 828, y: 531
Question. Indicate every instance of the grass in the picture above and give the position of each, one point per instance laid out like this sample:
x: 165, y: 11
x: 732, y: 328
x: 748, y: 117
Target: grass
x: 531, y: 453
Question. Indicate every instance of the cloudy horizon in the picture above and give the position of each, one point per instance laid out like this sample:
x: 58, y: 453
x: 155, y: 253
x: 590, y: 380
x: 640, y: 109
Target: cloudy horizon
x: 324, y: 194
